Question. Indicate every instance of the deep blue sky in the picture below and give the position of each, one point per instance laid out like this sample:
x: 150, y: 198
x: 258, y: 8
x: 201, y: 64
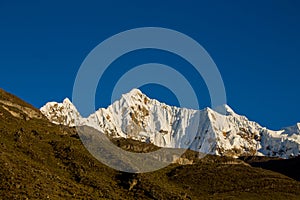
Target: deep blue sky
x: 256, y: 46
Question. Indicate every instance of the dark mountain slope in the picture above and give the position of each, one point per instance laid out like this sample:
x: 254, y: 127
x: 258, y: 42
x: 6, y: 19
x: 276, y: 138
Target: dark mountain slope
x: 40, y: 160
x: 288, y: 167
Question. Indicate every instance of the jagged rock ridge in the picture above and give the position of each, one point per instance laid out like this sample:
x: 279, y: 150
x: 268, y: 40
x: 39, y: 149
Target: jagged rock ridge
x: 138, y: 117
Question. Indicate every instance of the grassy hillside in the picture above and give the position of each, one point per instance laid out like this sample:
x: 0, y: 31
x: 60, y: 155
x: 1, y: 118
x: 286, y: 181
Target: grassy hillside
x: 288, y: 167
x: 40, y: 160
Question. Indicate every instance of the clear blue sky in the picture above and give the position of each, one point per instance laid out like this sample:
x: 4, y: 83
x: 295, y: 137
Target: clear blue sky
x: 255, y: 44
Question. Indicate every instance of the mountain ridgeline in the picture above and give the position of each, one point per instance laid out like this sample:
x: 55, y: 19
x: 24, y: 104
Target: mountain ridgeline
x: 206, y: 131
x: 44, y: 160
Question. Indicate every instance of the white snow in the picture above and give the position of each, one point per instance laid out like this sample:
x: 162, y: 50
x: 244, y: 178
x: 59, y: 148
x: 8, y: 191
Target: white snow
x: 61, y: 113
x: 221, y: 132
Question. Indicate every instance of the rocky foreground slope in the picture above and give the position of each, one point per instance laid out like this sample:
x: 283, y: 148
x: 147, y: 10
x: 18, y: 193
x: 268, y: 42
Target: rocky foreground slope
x: 207, y: 131
x: 42, y: 160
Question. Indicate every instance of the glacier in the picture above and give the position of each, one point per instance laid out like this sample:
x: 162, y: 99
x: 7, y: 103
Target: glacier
x: 138, y: 117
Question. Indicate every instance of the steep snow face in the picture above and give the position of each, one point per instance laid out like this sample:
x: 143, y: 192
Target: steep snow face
x: 138, y: 117
x: 61, y: 113
x: 291, y: 130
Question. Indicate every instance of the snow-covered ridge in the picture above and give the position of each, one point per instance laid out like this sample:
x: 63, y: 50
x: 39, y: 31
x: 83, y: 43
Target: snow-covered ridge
x: 138, y: 117
x: 61, y: 113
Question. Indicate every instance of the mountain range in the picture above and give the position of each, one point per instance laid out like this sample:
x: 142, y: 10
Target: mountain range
x: 44, y: 160
x: 208, y: 131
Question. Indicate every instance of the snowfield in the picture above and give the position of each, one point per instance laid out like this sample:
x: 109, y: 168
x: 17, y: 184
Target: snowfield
x: 138, y: 117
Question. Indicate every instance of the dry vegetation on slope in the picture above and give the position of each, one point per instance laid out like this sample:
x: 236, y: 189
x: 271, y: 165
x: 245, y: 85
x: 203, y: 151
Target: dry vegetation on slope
x: 40, y: 160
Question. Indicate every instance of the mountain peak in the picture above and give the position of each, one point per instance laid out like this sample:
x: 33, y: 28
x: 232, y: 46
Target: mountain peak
x: 134, y: 92
x: 224, y: 110
x: 67, y: 101
x: 61, y: 113
x: 291, y: 130
x: 228, y: 109
x: 220, y: 131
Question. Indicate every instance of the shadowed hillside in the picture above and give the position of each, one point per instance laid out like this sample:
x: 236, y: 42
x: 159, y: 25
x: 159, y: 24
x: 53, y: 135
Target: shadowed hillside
x: 40, y: 160
x: 288, y: 167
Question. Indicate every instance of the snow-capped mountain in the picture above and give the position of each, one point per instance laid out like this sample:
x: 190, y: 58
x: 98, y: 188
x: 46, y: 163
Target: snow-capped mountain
x: 292, y: 129
x: 61, y: 113
x: 138, y: 117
